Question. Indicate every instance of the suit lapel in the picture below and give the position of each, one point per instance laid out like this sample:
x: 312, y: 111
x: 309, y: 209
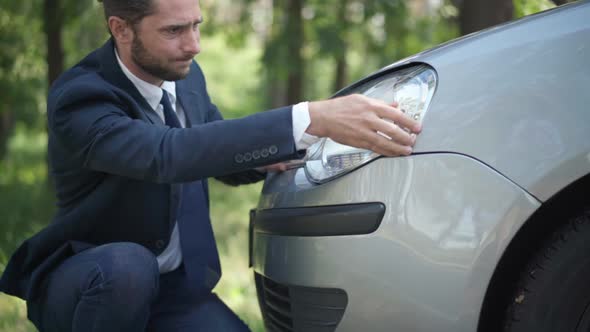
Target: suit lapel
x: 113, y: 73
x: 189, y: 100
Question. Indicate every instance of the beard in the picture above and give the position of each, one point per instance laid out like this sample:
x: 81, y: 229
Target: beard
x: 153, y: 65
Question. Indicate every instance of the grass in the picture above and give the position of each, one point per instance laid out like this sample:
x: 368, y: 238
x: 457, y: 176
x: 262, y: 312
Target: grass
x: 26, y: 205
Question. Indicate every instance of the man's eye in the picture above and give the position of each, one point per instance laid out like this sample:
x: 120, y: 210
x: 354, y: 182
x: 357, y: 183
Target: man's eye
x: 174, y: 30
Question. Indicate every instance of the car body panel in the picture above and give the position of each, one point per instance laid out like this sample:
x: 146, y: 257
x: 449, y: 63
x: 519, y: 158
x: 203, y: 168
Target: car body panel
x: 442, y: 234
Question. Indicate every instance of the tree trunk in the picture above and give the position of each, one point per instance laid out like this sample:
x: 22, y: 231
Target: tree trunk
x: 53, y: 25
x: 476, y: 15
x: 273, y: 58
x: 341, y: 74
x: 295, y: 35
x: 275, y: 91
x: 341, y: 78
x: 6, y: 126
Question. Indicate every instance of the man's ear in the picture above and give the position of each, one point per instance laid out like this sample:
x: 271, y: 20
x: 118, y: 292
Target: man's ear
x: 121, y: 30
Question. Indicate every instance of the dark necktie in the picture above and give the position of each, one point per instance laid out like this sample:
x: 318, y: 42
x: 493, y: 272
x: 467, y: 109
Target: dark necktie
x: 170, y: 117
x: 199, y: 252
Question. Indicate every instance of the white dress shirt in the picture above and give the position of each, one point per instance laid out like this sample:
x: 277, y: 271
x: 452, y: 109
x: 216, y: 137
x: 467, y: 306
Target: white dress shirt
x: 171, y: 257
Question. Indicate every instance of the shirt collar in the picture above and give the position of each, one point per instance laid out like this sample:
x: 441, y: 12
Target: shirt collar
x: 151, y: 93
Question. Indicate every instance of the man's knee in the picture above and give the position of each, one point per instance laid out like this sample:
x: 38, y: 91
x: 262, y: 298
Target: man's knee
x: 128, y: 270
x: 118, y: 280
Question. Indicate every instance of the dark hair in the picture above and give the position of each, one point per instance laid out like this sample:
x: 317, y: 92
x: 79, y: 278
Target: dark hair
x: 132, y: 11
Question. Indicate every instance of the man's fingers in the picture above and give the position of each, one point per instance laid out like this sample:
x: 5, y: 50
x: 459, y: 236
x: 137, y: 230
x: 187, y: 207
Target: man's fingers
x: 387, y: 147
x: 364, y: 122
x: 278, y: 167
x: 394, y: 132
x: 394, y: 114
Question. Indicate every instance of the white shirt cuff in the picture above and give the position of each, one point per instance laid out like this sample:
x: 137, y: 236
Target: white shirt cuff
x: 301, y: 122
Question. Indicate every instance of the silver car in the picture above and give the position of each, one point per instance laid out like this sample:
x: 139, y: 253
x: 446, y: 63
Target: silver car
x: 485, y: 227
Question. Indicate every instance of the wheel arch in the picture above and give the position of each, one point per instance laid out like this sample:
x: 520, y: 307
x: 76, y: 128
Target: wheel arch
x: 565, y: 204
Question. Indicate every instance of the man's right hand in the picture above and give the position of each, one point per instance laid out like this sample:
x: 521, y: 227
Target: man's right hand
x: 357, y: 120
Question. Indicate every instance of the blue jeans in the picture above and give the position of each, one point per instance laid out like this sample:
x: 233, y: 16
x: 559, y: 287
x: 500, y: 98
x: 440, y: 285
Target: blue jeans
x: 117, y: 287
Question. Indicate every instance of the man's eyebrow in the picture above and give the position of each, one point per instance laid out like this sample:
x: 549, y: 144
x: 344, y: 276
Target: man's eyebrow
x: 184, y: 25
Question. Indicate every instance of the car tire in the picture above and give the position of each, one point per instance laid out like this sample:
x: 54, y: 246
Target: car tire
x: 553, y: 294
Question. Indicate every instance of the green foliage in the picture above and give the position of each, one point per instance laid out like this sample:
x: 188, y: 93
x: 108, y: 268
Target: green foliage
x: 232, y: 74
x: 528, y: 7
x: 25, y: 207
x: 26, y: 204
x: 230, y: 18
x: 13, y: 315
x: 85, y: 30
x: 22, y: 65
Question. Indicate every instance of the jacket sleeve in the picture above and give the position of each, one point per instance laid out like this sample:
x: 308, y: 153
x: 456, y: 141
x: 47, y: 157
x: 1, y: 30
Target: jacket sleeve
x: 213, y: 114
x: 91, y: 123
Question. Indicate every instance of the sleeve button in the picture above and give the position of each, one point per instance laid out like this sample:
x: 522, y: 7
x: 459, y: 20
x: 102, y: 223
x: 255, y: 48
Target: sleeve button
x: 247, y: 156
x: 264, y: 153
x: 256, y: 154
x: 273, y: 150
x: 239, y: 158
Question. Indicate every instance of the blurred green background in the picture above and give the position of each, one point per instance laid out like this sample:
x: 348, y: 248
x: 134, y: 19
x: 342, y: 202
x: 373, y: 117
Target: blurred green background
x: 257, y: 54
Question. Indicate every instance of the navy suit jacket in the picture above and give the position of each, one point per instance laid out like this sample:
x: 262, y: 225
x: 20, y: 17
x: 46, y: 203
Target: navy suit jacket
x: 117, y: 167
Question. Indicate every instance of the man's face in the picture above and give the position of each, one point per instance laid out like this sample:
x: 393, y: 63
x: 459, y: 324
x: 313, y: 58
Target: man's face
x: 165, y: 42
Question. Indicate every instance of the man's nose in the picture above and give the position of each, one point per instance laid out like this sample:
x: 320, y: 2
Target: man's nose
x: 192, y: 42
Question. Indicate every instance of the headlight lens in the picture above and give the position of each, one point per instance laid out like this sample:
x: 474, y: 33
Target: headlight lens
x: 411, y: 87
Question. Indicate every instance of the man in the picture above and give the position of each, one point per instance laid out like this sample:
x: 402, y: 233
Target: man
x: 133, y: 137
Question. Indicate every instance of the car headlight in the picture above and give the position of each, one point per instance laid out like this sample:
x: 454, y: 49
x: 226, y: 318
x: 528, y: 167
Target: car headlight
x: 411, y: 87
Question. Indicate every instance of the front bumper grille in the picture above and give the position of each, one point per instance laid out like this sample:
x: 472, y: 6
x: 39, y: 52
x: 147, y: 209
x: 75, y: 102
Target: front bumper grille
x: 296, y: 309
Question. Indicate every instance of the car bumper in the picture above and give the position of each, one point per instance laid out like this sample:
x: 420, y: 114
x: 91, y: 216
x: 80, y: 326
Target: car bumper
x: 424, y: 266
